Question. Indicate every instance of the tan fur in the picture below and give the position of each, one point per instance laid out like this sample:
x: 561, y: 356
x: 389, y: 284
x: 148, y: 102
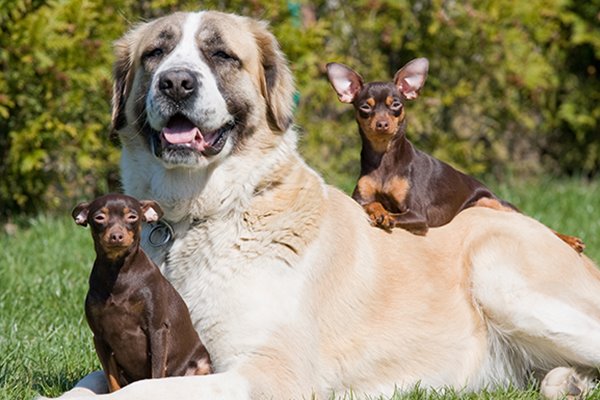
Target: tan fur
x: 112, y: 374
x: 296, y: 296
x: 493, y: 204
x: 367, y: 186
x: 379, y: 141
x: 398, y: 188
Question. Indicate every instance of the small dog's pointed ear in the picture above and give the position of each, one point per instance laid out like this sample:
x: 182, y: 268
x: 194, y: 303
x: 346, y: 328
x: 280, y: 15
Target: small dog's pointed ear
x: 345, y: 81
x: 151, y: 210
x: 410, y: 79
x: 80, y: 214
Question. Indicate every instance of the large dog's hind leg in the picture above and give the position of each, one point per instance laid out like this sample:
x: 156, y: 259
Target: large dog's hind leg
x: 541, y: 297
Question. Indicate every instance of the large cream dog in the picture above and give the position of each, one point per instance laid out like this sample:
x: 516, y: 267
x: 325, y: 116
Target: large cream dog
x: 290, y: 288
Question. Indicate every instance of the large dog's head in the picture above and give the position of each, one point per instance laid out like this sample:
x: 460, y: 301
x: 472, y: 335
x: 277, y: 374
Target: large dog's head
x: 196, y: 87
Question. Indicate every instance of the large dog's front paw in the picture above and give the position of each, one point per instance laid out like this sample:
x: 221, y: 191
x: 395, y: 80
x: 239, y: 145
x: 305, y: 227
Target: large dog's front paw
x: 564, y: 383
x: 379, y: 216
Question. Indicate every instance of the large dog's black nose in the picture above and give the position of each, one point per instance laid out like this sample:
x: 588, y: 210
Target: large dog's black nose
x: 178, y: 84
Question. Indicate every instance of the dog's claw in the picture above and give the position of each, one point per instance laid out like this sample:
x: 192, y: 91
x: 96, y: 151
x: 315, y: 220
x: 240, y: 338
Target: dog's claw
x: 576, y: 243
x: 379, y: 216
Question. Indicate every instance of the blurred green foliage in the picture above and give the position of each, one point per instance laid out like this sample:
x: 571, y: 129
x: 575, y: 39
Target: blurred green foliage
x: 513, y: 86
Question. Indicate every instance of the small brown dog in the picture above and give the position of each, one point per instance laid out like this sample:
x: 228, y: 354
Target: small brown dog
x: 400, y: 186
x: 142, y: 327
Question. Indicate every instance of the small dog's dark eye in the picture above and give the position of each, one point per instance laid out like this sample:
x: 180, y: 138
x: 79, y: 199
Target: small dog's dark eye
x: 396, y: 105
x: 100, y: 218
x: 154, y: 53
x: 132, y: 217
x: 365, y: 108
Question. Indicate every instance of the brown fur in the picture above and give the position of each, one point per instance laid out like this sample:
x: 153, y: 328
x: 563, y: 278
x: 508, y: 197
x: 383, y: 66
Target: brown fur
x: 297, y: 296
x: 400, y: 186
x: 141, y: 326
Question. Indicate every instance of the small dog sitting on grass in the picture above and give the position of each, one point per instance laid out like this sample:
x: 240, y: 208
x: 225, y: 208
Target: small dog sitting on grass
x: 142, y: 327
x: 399, y: 185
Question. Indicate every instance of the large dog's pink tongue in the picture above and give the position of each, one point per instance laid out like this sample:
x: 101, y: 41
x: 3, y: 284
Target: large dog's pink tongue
x: 180, y: 130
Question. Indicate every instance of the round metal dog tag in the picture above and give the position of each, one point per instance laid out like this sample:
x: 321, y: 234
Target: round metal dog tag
x: 161, y: 233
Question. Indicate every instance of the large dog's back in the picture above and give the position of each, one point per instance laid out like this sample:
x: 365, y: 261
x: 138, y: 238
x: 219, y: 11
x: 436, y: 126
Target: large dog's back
x: 483, y: 301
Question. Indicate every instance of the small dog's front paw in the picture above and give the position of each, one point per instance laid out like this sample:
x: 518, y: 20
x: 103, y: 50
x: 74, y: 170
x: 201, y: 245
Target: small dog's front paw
x: 379, y: 216
x: 384, y: 222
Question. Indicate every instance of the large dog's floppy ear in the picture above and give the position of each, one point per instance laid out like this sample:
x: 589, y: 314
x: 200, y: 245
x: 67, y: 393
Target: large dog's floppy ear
x: 121, y: 72
x: 346, y: 83
x: 410, y: 79
x: 123, y: 77
x: 278, y: 83
x: 80, y: 213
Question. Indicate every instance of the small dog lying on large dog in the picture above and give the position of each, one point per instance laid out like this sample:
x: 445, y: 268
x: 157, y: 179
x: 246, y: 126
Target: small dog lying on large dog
x: 292, y: 290
x: 399, y: 185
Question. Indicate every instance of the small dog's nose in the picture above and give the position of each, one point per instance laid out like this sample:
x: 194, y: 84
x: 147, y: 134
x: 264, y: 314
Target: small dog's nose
x: 116, y: 237
x: 382, y: 125
x: 178, y: 84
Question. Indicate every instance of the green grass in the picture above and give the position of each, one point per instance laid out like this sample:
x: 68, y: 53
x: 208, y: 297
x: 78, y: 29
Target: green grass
x: 46, y: 346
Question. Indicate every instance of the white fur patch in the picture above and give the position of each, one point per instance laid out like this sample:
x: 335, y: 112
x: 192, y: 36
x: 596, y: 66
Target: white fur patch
x: 210, y: 109
x: 150, y: 215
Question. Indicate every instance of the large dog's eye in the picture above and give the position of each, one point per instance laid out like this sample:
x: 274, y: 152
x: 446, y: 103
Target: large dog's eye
x: 225, y: 56
x: 152, y: 53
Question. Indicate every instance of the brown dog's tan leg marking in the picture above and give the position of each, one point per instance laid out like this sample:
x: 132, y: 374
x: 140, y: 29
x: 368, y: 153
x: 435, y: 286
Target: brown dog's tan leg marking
x: 397, y: 188
x: 111, y: 375
x: 367, y: 188
x: 491, y: 203
x: 112, y: 372
x: 573, y: 241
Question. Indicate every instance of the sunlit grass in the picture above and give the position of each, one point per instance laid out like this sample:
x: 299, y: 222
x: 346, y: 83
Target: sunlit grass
x: 46, y: 346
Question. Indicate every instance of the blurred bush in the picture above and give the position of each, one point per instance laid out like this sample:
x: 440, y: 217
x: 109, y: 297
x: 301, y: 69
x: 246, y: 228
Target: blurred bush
x: 513, y: 86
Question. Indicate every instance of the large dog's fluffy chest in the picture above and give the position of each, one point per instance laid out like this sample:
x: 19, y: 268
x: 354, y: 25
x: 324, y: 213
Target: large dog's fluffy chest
x: 237, y: 281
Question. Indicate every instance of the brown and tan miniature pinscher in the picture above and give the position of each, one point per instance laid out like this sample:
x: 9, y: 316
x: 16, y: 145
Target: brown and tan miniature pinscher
x: 399, y: 185
x: 142, y: 327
